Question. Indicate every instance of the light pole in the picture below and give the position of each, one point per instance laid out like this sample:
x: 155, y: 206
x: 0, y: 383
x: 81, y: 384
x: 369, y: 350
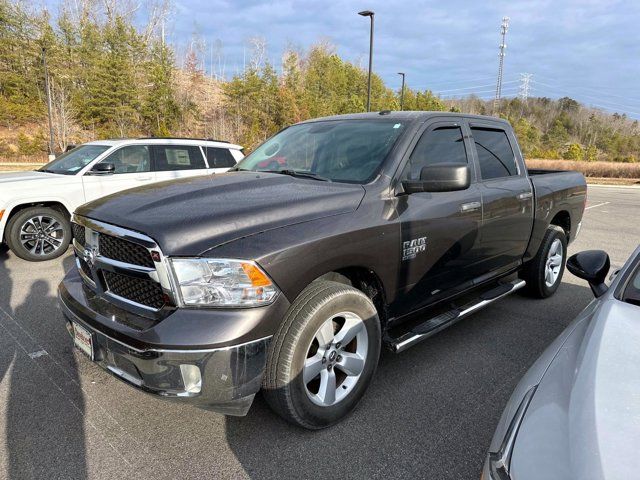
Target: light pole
x: 370, y: 14
x: 47, y: 88
x: 402, y: 92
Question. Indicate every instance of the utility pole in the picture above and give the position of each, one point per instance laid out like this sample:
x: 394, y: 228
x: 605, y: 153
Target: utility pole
x: 47, y: 87
x: 503, y: 31
x: 525, y: 78
x: 402, y: 92
x: 370, y: 14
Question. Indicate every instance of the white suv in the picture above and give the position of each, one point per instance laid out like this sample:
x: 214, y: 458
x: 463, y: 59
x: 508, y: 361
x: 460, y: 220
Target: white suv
x: 35, y: 207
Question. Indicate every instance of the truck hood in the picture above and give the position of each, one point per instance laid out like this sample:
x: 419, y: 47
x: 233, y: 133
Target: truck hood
x: 192, y: 215
x: 584, y: 418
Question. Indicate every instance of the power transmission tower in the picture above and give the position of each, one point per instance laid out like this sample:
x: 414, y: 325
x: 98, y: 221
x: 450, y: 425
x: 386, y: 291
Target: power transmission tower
x: 525, y: 78
x: 503, y: 31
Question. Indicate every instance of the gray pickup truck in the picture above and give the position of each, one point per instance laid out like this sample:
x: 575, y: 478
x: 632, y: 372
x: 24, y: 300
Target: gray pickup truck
x: 333, y: 238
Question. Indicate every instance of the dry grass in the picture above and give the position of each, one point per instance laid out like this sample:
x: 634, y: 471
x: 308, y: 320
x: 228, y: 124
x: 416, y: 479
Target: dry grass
x: 591, y: 169
x: 40, y: 159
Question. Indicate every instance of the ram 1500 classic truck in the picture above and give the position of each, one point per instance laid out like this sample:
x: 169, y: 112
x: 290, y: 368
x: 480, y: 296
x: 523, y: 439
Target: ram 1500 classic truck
x: 333, y: 238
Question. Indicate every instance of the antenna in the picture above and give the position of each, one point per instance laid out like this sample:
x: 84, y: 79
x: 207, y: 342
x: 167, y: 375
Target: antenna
x: 503, y: 46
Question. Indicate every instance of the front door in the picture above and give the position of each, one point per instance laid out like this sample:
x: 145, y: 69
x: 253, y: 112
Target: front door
x: 132, y: 169
x: 507, y: 199
x: 439, y: 230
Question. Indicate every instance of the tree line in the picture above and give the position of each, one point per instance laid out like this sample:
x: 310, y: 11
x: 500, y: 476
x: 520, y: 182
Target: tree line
x: 112, y: 74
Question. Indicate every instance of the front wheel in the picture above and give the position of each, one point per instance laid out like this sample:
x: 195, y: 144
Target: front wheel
x: 38, y: 233
x: 324, y: 355
x: 543, y: 274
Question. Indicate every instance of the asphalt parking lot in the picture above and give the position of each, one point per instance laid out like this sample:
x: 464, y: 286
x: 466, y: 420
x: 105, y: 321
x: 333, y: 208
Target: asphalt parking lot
x: 430, y: 412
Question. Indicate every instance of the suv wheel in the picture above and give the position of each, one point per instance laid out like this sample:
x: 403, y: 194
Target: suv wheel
x: 543, y: 274
x: 38, y: 233
x: 324, y: 355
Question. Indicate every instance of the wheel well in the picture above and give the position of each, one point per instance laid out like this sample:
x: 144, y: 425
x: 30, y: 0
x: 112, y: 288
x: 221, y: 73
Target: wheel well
x: 367, y: 282
x: 563, y: 220
x: 18, y: 208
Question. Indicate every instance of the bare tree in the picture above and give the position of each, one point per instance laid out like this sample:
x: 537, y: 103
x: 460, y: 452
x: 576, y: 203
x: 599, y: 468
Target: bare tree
x: 63, y: 115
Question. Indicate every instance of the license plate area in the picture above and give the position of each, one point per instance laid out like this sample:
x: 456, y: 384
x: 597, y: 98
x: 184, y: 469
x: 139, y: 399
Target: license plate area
x: 83, y: 340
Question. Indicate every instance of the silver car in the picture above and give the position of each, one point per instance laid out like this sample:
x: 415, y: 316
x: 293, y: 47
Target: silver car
x: 576, y: 412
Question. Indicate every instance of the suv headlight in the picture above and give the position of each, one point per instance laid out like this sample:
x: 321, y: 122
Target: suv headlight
x: 222, y: 282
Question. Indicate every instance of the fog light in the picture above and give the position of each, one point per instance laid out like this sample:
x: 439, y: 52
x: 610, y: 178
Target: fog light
x: 191, y: 378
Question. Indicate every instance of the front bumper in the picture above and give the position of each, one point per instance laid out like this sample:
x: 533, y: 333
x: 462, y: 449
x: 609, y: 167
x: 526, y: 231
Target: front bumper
x: 227, y: 377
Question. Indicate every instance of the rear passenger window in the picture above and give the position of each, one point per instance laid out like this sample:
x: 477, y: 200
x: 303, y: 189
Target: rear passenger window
x: 178, y: 157
x: 441, y: 145
x: 495, y: 155
x: 219, y: 157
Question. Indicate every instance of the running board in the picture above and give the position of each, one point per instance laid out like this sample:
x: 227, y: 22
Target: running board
x: 446, y: 319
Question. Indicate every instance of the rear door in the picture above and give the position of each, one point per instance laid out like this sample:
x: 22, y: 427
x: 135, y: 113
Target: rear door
x: 507, y: 196
x: 439, y: 230
x: 178, y: 161
x: 132, y: 168
x: 220, y: 159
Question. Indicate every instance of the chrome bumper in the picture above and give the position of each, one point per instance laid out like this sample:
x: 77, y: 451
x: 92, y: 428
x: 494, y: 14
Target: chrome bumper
x: 224, y: 380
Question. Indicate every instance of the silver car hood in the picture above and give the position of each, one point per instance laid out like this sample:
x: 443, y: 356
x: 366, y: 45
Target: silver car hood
x: 584, y: 419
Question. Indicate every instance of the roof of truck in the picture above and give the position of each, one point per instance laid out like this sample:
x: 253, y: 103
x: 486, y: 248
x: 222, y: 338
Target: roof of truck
x: 406, y: 115
x: 170, y: 141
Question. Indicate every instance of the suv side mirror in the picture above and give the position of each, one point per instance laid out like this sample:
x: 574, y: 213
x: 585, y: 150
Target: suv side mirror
x: 592, y: 266
x: 103, y: 168
x: 441, y: 177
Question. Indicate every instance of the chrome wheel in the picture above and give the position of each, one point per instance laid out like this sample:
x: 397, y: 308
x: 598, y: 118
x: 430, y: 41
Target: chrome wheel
x: 41, y: 235
x: 553, y: 263
x: 335, y: 359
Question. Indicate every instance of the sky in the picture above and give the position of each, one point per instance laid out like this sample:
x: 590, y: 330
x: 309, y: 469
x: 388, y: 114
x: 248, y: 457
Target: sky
x: 586, y: 49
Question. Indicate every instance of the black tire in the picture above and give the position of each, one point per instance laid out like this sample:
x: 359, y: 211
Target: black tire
x: 48, y: 251
x: 535, y: 271
x: 283, y: 385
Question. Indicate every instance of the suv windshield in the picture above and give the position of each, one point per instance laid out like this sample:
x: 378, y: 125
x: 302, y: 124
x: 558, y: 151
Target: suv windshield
x: 349, y: 151
x: 71, y: 162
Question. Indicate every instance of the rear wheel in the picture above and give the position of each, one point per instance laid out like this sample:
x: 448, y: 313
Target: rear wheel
x: 38, y: 233
x: 544, y: 273
x: 324, y: 355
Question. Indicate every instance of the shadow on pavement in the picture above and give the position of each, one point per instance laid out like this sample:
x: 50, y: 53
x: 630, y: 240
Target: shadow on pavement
x: 45, y: 408
x: 429, y: 413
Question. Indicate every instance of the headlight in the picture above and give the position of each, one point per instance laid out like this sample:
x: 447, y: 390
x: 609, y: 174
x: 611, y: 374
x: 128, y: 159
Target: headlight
x: 222, y: 282
x: 500, y: 461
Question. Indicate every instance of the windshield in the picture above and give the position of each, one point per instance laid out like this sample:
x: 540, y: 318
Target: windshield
x: 632, y: 291
x: 349, y: 151
x: 71, y: 162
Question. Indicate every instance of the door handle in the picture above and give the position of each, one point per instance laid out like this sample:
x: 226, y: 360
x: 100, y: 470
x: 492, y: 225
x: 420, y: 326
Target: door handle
x: 470, y: 206
x: 525, y: 195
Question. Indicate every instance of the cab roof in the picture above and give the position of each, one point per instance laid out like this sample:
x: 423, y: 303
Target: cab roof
x: 113, y: 142
x: 411, y: 116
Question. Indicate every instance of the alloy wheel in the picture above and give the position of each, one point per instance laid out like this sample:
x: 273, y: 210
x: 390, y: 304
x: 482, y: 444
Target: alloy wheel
x: 41, y: 235
x: 553, y: 263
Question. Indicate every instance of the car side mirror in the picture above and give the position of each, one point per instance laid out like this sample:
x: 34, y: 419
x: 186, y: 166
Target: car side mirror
x: 592, y: 266
x: 103, y: 168
x: 440, y: 177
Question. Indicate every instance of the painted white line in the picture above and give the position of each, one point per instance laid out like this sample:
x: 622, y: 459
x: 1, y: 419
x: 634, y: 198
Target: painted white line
x: 39, y: 353
x: 597, y: 205
x: 597, y: 185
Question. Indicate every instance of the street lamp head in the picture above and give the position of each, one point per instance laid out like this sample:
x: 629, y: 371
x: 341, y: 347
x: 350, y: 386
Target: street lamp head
x: 366, y: 13
x: 401, y: 73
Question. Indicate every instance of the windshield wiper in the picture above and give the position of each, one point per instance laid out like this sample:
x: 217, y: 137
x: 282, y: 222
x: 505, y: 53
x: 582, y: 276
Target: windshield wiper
x: 302, y: 173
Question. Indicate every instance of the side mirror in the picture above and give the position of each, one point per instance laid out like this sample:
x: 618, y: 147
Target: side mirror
x: 592, y: 266
x: 441, y: 177
x: 103, y: 168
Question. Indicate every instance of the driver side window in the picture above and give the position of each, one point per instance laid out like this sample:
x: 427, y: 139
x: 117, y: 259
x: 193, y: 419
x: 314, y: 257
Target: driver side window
x: 440, y: 145
x: 130, y: 159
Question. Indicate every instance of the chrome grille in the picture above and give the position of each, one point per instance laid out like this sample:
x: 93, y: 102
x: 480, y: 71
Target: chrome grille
x: 116, y: 264
x: 145, y: 292
x: 124, y: 251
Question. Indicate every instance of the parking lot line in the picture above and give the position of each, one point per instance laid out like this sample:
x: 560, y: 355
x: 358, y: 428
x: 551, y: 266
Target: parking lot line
x: 597, y: 205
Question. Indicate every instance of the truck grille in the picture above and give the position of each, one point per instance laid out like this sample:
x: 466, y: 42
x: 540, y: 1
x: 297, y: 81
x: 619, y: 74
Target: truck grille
x: 138, y: 290
x: 116, y: 264
x: 124, y: 251
x: 78, y: 233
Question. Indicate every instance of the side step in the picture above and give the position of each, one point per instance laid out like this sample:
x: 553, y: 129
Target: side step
x: 446, y: 319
